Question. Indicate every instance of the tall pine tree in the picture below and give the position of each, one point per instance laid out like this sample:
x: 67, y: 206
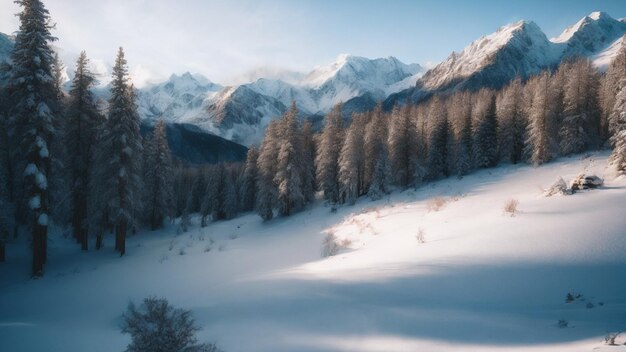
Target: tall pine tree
x: 119, y: 156
x: 34, y: 100
x: 158, y: 177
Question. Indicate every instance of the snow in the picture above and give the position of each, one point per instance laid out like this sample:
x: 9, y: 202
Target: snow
x: 482, y: 281
x: 43, y: 219
x: 603, y: 59
x: 34, y: 202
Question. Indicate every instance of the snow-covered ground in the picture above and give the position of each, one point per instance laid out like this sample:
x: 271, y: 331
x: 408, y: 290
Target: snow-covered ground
x: 481, y: 281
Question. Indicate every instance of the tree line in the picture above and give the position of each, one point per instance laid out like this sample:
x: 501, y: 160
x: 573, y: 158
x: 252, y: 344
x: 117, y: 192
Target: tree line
x: 63, y: 159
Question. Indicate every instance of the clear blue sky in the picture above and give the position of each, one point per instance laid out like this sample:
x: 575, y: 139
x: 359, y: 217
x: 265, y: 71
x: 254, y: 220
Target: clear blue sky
x: 222, y: 39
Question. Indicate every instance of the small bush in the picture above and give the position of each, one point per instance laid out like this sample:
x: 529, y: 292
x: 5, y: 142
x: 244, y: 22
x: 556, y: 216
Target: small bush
x: 332, y: 245
x: 510, y: 207
x: 156, y: 326
x: 181, y: 251
x: 559, y: 187
x: 436, y: 204
x: 420, y: 236
x: 610, y: 337
x: 562, y: 323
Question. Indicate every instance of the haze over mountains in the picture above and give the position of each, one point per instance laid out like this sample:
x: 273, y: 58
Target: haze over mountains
x: 240, y: 113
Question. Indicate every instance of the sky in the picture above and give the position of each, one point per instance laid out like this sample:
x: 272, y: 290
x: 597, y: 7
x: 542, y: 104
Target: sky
x: 230, y: 40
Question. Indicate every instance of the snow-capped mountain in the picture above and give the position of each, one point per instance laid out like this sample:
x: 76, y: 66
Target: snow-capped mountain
x: 242, y: 112
x: 591, y: 34
x: 178, y: 99
x: 518, y: 49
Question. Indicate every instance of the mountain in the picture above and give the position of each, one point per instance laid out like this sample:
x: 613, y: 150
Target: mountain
x: 591, y: 34
x: 242, y: 112
x: 176, y: 100
x: 519, y: 49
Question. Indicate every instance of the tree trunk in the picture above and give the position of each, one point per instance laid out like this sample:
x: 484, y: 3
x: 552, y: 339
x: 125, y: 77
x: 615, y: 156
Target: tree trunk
x: 2, y: 252
x: 39, y: 234
x: 99, y: 241
x: 120, y: 232
x: 84, y: 239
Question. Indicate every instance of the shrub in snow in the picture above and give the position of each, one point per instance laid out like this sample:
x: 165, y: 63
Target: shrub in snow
x: 420, y: 236
x: 583, y: 181
x: 610, y: 337
x: 332, y: 245
x: 436, y: 204
x: 510, y: 207
x: 562, y: 323
x: 559, y: 187
x: 156, y: 326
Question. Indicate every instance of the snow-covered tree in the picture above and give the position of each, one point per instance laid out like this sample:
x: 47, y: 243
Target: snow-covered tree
x: 82, y: 122
x: 158, y: 177
x: 618, y: 129
x: 512, y: 123
x: 34, y: 101
x: 118, y: 157
x: 352, y: 161
x: 249, y: 180
x: 327, y: 158
x: 156, y: 326
x: 485, y: 140
x: 615, y: 73
x: 438, y: 139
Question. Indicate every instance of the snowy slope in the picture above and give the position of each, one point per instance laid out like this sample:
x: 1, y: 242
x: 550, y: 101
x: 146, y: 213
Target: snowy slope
x: 482, y: 281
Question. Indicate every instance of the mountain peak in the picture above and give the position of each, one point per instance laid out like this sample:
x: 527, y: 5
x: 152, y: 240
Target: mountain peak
x: 597, y: 15
x: 594, y: 22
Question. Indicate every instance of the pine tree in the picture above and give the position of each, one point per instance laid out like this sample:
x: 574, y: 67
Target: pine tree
x: 266, y: 188
x: 512, y: 124
x: 485, y: 140
x: 609, y: 91
x: 308, y: 162
x: 381, y: 178
x: 34, y: 101
x: 119, y: 156
x: 541, y: 118
x: 230, y: 201
x: 288, y: 177
x: 249, y: 180
x: 158, y: 179
x: 83, y: 119
x: 374, y: 141
x: 211, y: 202
x: 438, y: 138
x: 327, y: 158
x: 618, y: 129
x: 580, y: 127
x: 403, y: 147
x: 460, y: 116
x: 352, y: 162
